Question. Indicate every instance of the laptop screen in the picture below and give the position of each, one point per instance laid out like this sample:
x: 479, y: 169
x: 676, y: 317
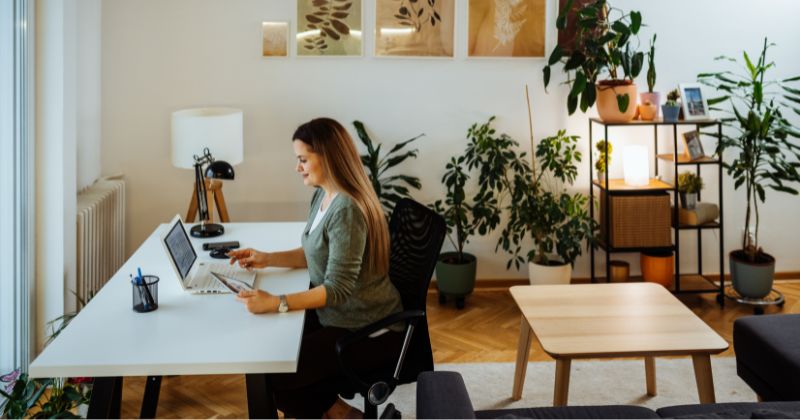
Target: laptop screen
x: 180, y: 249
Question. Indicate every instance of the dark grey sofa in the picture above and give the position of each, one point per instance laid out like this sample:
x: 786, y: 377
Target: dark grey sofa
x: 443, y: 395
x: 768, y: 355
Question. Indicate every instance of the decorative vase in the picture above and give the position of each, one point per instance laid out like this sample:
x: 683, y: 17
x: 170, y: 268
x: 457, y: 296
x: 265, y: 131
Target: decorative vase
x: 607, y: 106
x: 652, y: 97
x: 688, y: 200
x: 752, y: 279
x: 658, y: 267
x: 554, y: 273
x: 455, y: 279
x: 671, y: 113
x: 648, y: 111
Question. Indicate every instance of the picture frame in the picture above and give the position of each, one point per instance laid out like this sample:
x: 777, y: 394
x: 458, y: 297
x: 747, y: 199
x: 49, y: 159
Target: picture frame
x: 506, y: 28
x: 692, y: 146
x: 329, y: 28
x: 275, y: 39
x: 693, y: 103
x: 425, y: 29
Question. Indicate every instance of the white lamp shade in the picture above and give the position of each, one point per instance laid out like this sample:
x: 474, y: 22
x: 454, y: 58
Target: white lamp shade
x: 218, y: 129
x: 635, y: 165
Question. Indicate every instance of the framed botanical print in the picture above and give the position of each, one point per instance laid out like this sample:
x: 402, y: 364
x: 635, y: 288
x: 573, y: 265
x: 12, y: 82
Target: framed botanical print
x: 506, y: 28
x: 422, y: 28
x: 329, y: 28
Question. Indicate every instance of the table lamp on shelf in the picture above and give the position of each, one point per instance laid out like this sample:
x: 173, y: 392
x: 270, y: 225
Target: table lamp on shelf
x: 207, y: 130
x: 635, y: 166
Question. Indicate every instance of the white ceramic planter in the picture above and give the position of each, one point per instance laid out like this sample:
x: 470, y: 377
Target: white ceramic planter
x: 549, y: 274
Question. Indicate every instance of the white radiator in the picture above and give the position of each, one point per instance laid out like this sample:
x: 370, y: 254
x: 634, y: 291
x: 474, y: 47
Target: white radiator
x: 100, y: 249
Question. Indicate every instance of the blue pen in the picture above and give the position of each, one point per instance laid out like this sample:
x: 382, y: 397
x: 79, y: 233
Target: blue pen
x: 149, y: 301
x: 141, y: 278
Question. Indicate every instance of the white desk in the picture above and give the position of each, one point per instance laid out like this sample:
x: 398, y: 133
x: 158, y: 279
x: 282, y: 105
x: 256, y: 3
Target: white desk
x: 188, y: 334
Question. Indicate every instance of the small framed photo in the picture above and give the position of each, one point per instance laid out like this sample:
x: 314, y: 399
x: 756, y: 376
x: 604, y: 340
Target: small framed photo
x: 275, y: 39
x: 694, y: 104
x: 692, y: 147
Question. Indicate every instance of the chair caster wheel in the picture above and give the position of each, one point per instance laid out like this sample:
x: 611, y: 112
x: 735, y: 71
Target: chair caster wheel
x: 758, y: 310
x: 460, y: 303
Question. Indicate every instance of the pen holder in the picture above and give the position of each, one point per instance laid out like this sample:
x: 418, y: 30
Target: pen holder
x: 145, y: 296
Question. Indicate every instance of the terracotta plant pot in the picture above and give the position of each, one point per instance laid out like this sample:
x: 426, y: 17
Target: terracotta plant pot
x: 647, y: 111
x: 607, y: 107
x: 652, y: 97
x: 658, y: 267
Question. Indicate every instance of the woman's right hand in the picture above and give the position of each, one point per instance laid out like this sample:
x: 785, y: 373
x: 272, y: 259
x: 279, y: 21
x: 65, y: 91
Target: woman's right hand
x: 248, y: 258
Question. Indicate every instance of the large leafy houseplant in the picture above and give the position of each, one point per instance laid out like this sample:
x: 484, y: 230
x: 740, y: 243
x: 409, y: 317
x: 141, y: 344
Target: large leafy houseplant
x: 765, y: 142
x: 389, y: 188
x: 601, y: 48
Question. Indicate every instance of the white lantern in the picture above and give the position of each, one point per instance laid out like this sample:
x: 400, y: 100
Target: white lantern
x: 635, y: 165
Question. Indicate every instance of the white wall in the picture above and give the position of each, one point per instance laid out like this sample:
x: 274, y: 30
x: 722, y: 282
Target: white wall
x: 67, y: 113
x: 160, y: 56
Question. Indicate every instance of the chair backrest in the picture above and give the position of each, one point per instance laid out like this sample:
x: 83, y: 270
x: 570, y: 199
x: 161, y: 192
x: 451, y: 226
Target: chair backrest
x: 417, y: 234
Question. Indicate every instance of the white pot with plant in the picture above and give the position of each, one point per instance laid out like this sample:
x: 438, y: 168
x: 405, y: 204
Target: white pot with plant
x: 604, y: 150
x: 650, y: 101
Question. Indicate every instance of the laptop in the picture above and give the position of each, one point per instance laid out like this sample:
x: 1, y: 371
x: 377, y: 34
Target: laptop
x: 196, y: 276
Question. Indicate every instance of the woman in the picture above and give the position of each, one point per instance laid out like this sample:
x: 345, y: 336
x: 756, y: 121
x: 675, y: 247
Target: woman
x: 345, y: 247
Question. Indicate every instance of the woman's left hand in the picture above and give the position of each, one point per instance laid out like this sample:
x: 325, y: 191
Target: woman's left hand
x: 258, y: 301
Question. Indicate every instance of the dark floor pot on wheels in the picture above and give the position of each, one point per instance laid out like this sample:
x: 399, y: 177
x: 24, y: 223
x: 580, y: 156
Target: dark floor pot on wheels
x: 752, y: 279
x: 455, y: 278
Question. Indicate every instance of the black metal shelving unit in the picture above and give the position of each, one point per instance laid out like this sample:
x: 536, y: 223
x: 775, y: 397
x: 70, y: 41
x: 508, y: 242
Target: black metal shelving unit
x: 656, y: 185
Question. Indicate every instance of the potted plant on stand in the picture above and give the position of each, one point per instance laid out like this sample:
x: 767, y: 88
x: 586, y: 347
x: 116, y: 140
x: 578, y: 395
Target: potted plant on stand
x: 768, y: 150
x: 671, y: 109
x: 601, y: 47
x: 689, y: 185
x: 603, y: 158
x: 650, y: 100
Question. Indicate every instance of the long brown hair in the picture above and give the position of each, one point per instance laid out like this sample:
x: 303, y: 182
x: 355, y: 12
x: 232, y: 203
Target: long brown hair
x: 342, y: 165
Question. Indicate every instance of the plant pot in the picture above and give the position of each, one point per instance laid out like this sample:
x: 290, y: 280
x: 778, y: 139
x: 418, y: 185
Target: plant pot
x: 553, y: 273
x: 752, y: 279
x: 688, y: 200
x: 658, y: 267
x: 601, y: 175
x: 647, y: 112
x: 454, y: 278
x: 620, y: 271
x: 670, y: 113
x: 607, y: 106
x: 652, y: 97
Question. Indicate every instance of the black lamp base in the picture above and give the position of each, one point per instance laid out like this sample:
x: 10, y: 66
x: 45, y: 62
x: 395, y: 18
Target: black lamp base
x: 207, y: 230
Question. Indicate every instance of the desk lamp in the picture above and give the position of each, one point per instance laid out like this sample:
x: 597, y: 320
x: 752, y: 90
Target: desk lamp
x: 212, y: 130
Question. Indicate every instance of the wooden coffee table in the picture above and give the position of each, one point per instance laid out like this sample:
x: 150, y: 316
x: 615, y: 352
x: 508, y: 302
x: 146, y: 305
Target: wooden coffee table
x: 612, y: 320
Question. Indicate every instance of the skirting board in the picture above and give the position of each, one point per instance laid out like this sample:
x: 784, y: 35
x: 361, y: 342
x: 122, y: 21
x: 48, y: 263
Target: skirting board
x: 786, y: 276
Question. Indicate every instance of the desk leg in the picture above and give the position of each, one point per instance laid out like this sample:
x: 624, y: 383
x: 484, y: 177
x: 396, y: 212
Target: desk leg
x: 702, y: 374
x: 150, y: 401
x: 561, y: 392
x: 650, y: 373
x: 523, y: 348
x: 106, y: 398
x: 260, y: 399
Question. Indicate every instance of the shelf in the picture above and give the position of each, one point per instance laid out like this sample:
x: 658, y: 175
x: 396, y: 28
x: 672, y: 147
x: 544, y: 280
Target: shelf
x: 659, y: 121
x: 604, y: 247
x: 684, y: 160
x: 695, y: 283
x: 709, y: 225
x: 621, y: 186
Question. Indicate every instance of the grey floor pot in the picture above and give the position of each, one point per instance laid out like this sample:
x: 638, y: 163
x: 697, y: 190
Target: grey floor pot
x: 752, y: 279
x: 455, y: 279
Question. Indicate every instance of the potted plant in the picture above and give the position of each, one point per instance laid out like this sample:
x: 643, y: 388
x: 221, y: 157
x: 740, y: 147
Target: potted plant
x: 689, y: 184
x: 767, y: 149
x: 601, y: 48
x: 389, y: 188
x: 650, y: 100
x: 671, y: 109
x: 604, y: 150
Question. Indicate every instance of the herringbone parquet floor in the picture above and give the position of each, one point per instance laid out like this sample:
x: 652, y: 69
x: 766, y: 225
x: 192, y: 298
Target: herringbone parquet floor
x: 485, y: 331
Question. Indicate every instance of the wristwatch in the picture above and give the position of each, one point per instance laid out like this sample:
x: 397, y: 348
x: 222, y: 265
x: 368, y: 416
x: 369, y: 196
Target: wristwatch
x: 284, y: 305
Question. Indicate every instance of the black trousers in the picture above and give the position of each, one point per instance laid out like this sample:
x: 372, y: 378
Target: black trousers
x: 313, y: 389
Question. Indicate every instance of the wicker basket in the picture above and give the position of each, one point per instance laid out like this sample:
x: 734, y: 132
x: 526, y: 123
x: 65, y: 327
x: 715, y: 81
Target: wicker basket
x: 637, y: 221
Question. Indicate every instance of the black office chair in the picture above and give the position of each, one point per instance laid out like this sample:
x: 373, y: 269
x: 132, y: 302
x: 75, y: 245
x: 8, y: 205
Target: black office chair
x: 416, y: 235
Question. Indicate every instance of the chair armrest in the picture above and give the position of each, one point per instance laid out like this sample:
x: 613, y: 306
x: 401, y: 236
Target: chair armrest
x: 443, y: 395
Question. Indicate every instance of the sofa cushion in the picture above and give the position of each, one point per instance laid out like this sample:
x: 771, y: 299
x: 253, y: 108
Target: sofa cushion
x: 572, y: 412
x: 768, y: 354
x: 728, y: 410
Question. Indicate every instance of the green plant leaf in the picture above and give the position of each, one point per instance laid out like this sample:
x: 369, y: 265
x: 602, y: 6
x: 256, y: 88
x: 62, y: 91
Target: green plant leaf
x: 556, y: 55
x: 579, y: 84
x: 572, y: 104
x: 636, y: 22
x: 623, y: 101
x: 546, y: 73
